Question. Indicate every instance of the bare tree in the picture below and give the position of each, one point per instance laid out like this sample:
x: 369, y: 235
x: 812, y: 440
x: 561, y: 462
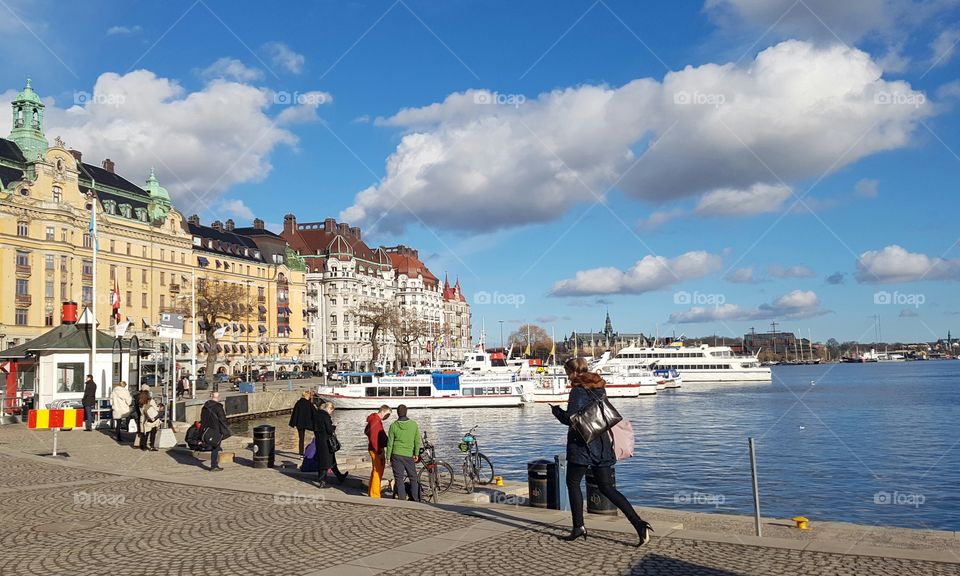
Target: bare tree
x: 535, y: 336
x: 216, y: 302
x: 379, y: 317
x: 407, y: 329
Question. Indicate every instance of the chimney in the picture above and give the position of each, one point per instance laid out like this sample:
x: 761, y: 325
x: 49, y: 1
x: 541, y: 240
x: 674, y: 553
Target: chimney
x: 289, y: 224
x: 77, y: 155
x: 108, y: 165
x: 329, y: 225
x: 195, y: 220
x: 355, y: 232
x: 342, y: 228
x: 230, y: 225
x: 217, y: 225
x: 257, y: 224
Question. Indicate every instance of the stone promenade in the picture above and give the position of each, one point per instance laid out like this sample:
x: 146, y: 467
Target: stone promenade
x: 108, y: 509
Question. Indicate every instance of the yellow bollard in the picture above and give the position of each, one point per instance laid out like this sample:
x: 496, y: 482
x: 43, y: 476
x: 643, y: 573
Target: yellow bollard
x: 498, y: 480
x: 801, y: 522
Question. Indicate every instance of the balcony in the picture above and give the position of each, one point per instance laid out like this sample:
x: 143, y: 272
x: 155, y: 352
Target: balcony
x: 86, y: 278
x: 23, y: 270
x: 24, y: 300
x: 174, y: 288
x: 261, y: 299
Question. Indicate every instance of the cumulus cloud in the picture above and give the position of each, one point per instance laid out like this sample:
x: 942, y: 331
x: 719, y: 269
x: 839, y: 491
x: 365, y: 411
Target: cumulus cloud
x: 867, y: 188
x: 756, y: 199
x: 123, y: 30
x: 200, y: 142
x: 236, y: 208
x: 550, y: 318
x: 836, y: 278
x: 741, y: 276
x: 894, y: 264
x: 781, y: 271
x: 658, y: 218
x: 282, y: 56
x: 792, y: 305
x: 944, y: 46
x: 479, y: 160
x: 648, y: 274
x: 231, y: 69
x: 301, y: 106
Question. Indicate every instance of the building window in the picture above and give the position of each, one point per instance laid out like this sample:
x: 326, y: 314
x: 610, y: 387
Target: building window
x: 87, y: 295
x: 48, y: 289
x: 70, y: 377
x: 161, y: 254
x: 63, y: 291
x: 86, y: 240
x: 21, y: 317
x: 129, y: 274
x: 23, y: 287
x: 162, y: 301
x: 129, y: 299
x: 163, y: 278
x: 183, y: 258
x: 113, y: 272
x: 87, y: 268
x: 23, y: 258
x: 129, y: 248
x: 22, y: 229
x: 143, y: 300
x: 112, y: 246
x: 48, y: 262
x: 63, y: 234
x: 144, y: 250
x: 143, y: 276
x: 48, y: 317
x: 57, y: 194
x: 63, y: 263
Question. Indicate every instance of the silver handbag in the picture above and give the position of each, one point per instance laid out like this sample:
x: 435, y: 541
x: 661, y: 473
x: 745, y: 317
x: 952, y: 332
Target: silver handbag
x: 596, y: 418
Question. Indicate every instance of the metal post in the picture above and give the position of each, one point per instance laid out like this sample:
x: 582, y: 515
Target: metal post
x: 55, y: 430
x: 756, y: 489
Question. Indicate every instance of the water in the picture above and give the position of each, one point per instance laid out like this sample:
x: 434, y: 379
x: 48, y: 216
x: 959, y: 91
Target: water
x: 873, y: 444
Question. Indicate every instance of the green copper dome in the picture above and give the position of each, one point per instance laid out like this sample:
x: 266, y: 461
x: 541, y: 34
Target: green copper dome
x: 27, y: 95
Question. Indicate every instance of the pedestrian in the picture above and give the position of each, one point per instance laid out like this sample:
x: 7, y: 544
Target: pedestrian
x: 213, y: 421
x: 89, y: 402
x: 376, y: 445
x: 403, y: 452
x: 598, y: 455
x: 302, y: 418
x: 120, y: 406
x: 149, y: 420
x: 182, y: 384
x: 324, y: 432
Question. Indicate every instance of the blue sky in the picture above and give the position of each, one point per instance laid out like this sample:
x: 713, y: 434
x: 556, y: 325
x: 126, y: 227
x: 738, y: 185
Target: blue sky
x: 696, y: 168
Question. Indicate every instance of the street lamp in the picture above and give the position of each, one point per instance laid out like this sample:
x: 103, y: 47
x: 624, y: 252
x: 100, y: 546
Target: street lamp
x: 501, y: 334
x: 246, y: 319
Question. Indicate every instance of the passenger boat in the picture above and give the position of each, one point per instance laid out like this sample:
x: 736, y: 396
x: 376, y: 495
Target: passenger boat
x: 667, y: 378
x: 695, y: 363
x: 368, y: 391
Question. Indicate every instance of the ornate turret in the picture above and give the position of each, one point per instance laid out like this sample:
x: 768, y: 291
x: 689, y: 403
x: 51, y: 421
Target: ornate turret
x: 27, y: 131
x: 159, y: 198
x: 608, y: 326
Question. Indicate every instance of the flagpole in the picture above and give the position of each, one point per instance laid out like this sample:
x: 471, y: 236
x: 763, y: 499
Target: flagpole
x: 95, y: 242
x: 193, y: 334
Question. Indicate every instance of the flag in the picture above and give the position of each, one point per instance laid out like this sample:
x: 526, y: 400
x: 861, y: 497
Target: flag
x: 553, y: 349
x: 526, y: 351
x: 94, y: 237
x: 115, y: 300
x: 219, y: 332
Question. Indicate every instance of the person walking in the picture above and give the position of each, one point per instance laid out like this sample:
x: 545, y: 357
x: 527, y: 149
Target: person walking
x: 149, y: 420
x: 302, y: 418
x: 324, y: 432
x: 120, y: 406
x: 376, y: 445
x: 213, y: 421
x: 598, y: 455
x: 89, y: 402
x: 403, y: 451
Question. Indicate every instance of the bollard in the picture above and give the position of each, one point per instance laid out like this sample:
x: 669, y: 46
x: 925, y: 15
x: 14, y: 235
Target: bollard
x: 538, y: 482
x: 563, y: 497
x: 756, y: 488
x: 263, y: 446
x: 597, y: 503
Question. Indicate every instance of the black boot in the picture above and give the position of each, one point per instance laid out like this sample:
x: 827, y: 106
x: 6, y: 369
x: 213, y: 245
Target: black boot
x: 575, y: 533
x: 643, y: 532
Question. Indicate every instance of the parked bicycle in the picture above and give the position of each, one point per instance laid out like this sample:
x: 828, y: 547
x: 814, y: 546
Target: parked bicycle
x: 477, y: 468
x: 436, y: 476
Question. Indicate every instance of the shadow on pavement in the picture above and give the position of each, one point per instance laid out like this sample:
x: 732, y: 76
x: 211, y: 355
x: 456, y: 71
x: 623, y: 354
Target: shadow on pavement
x: 660, y: 564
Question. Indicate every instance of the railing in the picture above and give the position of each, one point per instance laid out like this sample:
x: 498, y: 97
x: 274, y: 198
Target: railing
x: 175, y: 288
x: 23, y: 270
x: 86, y: 278
x: 24, y: 299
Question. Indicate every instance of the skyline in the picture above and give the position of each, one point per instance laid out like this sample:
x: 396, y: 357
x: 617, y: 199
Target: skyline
x: 731, y: 163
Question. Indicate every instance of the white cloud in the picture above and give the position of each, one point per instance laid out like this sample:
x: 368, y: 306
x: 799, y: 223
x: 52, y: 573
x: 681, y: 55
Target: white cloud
x: 231, y: 69
x: 909, y: 313
x: 867, y: 188
x: 201, y: 142
x: 836, y: 278
x: 123, y: 30
x: 301, y: 106
x: 281, y: 55
x: 792, y: 305
x: 236, y: 208
x: 894, y: 60
x: 780, y: 271
x: 757, y: 199
x: 658, y: 218
x: 648, y: 274
x: 943, y: 47
x: 893, y: 264
x: 949, y: 91
x: 481, y: 160
x: 741, y: 276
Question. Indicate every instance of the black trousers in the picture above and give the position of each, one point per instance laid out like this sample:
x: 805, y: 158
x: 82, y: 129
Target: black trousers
x: 119, y: 424
x: 301, y: 432
x: 603, y: 476
x: 405, y: 468
x: 153, y: 439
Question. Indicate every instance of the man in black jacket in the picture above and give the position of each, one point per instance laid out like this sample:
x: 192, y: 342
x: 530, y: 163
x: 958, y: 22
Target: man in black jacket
x: 89, y: 402
x: 213, y: 420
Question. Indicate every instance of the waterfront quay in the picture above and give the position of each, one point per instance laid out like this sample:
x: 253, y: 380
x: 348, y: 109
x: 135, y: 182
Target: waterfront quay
x: 108, y: 509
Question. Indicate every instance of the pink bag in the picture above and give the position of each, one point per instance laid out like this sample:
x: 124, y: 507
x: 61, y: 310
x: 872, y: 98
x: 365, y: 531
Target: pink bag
x: 623, y: 441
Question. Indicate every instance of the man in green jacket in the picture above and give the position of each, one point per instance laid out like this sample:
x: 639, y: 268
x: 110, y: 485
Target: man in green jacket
x: 403, y: 451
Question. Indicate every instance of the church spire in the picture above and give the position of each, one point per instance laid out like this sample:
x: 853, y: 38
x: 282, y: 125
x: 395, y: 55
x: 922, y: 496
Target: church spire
x: 608, y: 326
x: 27, y: 131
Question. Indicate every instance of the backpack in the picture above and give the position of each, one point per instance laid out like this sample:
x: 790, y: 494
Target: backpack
x: 194, y: 437
x: 623, y: 440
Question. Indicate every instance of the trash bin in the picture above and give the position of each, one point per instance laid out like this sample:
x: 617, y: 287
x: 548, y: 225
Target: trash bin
x: 538, y: 481
x: 264, y: 440
x: 597, y: 503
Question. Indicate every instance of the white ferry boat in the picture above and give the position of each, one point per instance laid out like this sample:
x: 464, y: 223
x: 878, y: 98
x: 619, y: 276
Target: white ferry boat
x: 696, y: 363
x: 368, y: 391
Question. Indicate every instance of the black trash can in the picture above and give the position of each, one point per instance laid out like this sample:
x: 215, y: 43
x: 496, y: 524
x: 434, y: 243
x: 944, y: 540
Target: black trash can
x: 538, y: 481
x: 264, y: 441
x: 597, y: 503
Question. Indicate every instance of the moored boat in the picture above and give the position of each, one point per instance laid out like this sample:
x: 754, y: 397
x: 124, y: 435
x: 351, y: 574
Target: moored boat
x: 366, y: 390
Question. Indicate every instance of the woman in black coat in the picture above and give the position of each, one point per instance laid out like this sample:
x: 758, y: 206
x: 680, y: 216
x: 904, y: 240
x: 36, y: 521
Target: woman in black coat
x: 324, y: 431
x: 598, y: 455
x: 302, y: 417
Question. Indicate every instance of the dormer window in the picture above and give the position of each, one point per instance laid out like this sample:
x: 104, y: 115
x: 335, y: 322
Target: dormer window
x: 141, y: 214
x: 256, y: 254
x: 197, y: 241
x: 57, y: 194
x: 110, y: 207
x: 126, y: 210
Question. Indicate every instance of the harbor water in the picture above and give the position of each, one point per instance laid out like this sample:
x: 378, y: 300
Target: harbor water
x: 873, y: 444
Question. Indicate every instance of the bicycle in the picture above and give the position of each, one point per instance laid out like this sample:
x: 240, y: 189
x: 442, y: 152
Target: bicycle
x: 436, y: 476
x: 477, y: 468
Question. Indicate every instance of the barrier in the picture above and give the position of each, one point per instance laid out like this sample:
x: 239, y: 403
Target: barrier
x: 55, y: 419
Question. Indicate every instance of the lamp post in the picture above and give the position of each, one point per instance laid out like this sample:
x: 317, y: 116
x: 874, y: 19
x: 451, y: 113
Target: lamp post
x: 501, y: 334
x: 247, y: 320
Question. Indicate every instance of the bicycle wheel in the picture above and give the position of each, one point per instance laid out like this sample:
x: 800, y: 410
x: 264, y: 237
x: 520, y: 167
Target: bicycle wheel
x: 485, y: 470
x: 469, y: 475
x: 444, y: 476
x: 428, y: 492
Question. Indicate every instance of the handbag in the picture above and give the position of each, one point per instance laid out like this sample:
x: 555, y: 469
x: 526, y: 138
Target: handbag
x: 334, y: 443
x: 132, y: 426
x: 621, y: 435
x: 152, y: 413
x: 596, y: 418
x: 211, y: 438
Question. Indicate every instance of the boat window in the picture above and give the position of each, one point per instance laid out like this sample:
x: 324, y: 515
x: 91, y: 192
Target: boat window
x: 368, y: 379
x: 383, y: 391
x: 370, y: 391
x: 467, y: 391
x: 424, y: 391
x: 396, y: 391
x: 410, y: 391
